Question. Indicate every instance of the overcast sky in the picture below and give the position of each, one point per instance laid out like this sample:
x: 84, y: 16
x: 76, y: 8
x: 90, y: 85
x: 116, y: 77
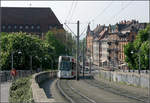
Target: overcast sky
x: 95, y: 12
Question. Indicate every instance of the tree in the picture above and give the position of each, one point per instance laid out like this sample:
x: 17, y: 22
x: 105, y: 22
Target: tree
x: 140, y: 47
x: 59, y: 47
x: 28, y: 45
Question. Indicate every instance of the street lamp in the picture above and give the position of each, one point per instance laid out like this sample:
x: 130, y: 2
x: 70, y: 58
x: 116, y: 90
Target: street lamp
x: 12, y: 58
x: 90, y: 64
x: 31, y: 62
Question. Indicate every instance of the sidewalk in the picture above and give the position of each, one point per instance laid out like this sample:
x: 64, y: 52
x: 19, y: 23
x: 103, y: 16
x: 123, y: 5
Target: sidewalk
x: 4, y: 92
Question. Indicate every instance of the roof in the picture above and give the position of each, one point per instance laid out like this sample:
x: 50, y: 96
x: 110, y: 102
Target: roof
x: 98, y: 30
x: 29, y: 15
x: 113, y: 27
x: 129, y: 27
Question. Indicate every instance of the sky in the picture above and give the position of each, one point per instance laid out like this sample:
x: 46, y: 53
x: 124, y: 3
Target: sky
x: 89, y: 12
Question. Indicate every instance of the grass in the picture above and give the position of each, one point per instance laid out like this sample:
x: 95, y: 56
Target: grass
x: 20, y: 91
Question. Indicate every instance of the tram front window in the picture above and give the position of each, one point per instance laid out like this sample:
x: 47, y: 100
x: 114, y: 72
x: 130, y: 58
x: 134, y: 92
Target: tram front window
x: 65, y: 66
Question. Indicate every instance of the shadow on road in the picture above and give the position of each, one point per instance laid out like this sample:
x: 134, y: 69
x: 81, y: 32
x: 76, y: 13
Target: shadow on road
x: 46, y: 87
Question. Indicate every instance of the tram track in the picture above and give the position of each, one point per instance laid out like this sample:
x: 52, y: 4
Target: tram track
x: 116, y: 91
x: 71, y: 94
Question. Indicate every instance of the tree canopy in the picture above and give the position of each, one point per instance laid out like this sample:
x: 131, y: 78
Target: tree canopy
x: 43, y: 52
x: 28, y: 46
x: 139, y: 48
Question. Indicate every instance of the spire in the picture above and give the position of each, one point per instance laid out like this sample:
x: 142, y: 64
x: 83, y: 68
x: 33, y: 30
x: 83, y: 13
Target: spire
x: 88, y: 29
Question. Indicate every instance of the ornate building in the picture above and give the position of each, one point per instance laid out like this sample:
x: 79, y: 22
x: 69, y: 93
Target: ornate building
x: 106, y: 46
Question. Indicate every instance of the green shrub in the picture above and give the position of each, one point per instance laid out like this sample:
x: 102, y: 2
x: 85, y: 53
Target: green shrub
x: 20, y: 91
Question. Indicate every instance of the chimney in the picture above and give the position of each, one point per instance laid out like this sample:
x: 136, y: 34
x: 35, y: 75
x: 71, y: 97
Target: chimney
x: 109, y: 28
x: 97, y: 26
x: 117, y: 27
x: 88, y: 29
x: 124, y: 21
x: 121, y: 22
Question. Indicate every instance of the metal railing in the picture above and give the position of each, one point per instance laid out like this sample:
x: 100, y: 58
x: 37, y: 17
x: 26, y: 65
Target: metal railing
x: 5, y: 76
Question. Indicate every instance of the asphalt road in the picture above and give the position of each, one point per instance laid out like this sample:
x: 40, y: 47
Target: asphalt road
x: 99, y: 95
x: 4, y: 90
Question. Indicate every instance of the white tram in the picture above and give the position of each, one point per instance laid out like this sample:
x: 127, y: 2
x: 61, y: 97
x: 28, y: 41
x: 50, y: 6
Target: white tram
x: 66, y: 67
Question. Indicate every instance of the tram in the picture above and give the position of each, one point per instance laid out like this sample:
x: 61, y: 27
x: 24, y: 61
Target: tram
x: 66, y: 67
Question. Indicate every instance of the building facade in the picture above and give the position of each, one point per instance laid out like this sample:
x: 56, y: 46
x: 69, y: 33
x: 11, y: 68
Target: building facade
x: 110, y: 42
x: 93, y: 44
x: 96, y: 55
x: 31, y: 20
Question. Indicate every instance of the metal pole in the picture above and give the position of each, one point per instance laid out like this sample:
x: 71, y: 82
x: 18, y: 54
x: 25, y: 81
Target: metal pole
x: 41, y: 63
x: 30, y: 62
x: 90, y: 65
x: 83, y: 61
x: 139, y: 62
x: 77, y: 55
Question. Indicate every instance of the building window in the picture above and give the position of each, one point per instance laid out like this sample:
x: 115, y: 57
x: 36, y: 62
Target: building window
x: 32, y: 27
x: 38, y: 27
x: 49, y: 27
x: 26, y: 27
x: 15, y: 27
x: 9, y: 27
x: 132, y: 38
x: 3, y: 27
x: 20, y: 27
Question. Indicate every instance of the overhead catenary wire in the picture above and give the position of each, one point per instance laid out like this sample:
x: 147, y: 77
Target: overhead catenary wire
x: 73, y: 11
x: 109, y: 5
x: 70, y: 29
x: 69, y: 11
x: 120, y: 11
x: 84, y: 30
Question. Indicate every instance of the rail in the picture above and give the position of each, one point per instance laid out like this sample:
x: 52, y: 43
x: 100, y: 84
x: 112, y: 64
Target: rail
x: 117, y: 91
x: 71, y: 94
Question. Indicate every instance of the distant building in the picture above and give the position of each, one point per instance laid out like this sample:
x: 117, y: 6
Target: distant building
x: 32, y: 20
x: 89, y: 43
x: 105, y: 44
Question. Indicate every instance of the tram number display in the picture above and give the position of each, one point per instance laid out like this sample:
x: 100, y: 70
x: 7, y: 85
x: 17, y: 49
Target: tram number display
x: 65, y: 59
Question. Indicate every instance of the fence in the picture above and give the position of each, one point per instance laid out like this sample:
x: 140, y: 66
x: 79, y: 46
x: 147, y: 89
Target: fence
x: 5, y: 76
x: 131, y: 77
